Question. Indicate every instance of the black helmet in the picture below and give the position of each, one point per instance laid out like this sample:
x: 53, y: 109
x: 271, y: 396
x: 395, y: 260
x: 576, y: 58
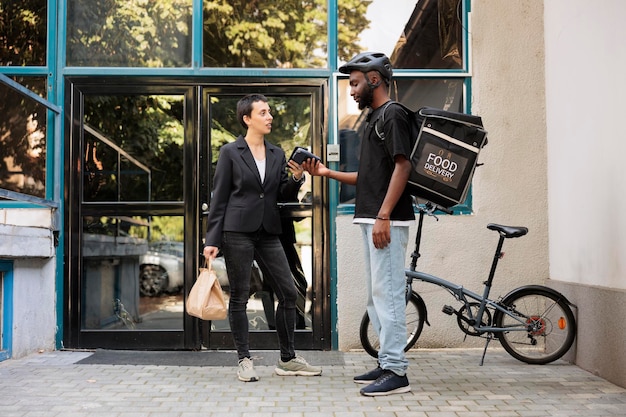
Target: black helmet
x: 369, y: 61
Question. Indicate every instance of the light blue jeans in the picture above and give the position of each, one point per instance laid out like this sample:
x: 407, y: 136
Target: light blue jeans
x: 386, y: 303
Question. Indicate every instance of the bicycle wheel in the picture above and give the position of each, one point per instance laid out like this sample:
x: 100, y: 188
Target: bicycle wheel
x: 549, y: 324
x: 415, y: 316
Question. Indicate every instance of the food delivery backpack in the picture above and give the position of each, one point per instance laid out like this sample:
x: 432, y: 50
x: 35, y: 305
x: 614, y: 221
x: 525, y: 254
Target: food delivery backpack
x: 445, y: 148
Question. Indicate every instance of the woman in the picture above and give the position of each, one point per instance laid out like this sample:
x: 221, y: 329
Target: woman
x: 244, y: 220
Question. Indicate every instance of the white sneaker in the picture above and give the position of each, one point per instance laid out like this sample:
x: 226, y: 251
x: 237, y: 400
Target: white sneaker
x: 246, y: 372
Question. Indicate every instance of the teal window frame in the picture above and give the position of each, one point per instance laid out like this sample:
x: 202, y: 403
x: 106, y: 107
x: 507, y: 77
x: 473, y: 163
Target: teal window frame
x: 56, y: 71
x: 54, y: 132
x: 54, y: 164
x: 338, y: 208
x: 6, y: 283
x: 53, y: 188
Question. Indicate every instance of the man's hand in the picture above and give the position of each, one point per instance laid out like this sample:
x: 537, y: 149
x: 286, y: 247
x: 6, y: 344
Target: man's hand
x: 315, y: 167
x: 381, y: 234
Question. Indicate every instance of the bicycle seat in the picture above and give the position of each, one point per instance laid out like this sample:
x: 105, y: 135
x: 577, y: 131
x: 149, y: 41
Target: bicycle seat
x: 508, y: 231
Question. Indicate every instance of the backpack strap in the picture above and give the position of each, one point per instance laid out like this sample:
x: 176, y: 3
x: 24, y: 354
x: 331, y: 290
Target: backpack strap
x: 380, y: 132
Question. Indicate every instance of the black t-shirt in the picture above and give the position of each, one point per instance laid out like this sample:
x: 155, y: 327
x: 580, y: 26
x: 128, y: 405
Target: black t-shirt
x: 376, y: 164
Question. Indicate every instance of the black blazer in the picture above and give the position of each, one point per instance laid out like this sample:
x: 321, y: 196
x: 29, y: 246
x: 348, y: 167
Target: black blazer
x: 240, y: 202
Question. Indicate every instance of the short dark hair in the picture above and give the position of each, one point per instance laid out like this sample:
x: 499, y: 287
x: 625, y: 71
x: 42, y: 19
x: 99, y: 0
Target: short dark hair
x: 244, y: 106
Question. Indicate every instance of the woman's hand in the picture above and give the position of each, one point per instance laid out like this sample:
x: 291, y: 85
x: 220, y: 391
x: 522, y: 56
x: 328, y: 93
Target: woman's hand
x: 296, y: 169
x: 210, y: 252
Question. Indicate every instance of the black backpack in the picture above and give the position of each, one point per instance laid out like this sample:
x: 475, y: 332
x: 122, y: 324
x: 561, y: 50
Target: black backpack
x: 445, y: 147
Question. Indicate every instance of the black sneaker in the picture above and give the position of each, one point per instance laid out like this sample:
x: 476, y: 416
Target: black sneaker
x: 386, y: 384
x: 369, y: 377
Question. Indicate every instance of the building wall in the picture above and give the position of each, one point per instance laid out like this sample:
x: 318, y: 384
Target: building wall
x: 26, y: 237
x: 510, y: 188
x: 547, y: 80
x: 585, y: 87
x: 551, y: 101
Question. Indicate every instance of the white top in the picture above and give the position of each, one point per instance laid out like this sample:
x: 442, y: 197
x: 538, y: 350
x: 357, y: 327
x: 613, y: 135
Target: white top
x: 260, y: 164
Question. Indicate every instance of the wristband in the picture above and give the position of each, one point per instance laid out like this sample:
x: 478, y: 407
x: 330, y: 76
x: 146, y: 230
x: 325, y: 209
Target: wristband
x: 381, y: 218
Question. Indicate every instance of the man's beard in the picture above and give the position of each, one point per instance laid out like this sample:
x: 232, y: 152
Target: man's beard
x: 366, y: 98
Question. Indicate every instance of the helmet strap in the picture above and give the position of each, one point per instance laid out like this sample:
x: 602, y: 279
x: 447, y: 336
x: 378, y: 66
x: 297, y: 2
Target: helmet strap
x: 371, y: 84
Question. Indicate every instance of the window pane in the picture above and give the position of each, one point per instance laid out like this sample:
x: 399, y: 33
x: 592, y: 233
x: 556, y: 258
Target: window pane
x: 23, y: 32
x: 423, y: 34
x: 276, y: 34
x: 129, y: 33
x: 23, y: 139
x: 133, y: 270
x: 446, y: 94
x: 133, y: 148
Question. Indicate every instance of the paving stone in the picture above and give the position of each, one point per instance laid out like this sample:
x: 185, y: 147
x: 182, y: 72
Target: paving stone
x: 445, y: 383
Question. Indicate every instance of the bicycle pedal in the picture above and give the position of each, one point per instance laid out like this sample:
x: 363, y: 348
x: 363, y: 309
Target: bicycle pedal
x: 449, y: 310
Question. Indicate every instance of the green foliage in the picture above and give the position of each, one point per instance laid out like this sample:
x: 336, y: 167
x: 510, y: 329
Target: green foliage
x: 236, y: 34
x: 351, y: 22
x: 23, y: 42
x: 132, y: 33
x: 22, y: 138
x: 167, y: 228
x: 150, y: 129
x: 147, y: 33
x: 162, y: 228
x: 143, y: 33
x: 23, y: 32
x: 279, y: 33
x: 265, y: 34
x: 290, y: 127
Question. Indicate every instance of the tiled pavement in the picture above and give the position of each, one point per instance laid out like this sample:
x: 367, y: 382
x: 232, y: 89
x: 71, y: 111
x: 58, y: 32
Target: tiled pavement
x: 446, y: 383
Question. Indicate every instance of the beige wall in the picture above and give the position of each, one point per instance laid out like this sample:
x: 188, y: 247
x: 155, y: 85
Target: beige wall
x: 585, y: 58
x: 511, y: 188
x: 585, y: 87
x: 551, y: 100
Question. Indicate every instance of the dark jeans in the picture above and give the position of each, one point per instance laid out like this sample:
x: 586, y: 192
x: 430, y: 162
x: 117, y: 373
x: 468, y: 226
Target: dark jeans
x: 240, y: 249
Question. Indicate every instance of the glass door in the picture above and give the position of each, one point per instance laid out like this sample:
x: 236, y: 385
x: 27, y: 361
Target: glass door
x: 132, y: 223
x: 297, y: 122
x: 140, y: 163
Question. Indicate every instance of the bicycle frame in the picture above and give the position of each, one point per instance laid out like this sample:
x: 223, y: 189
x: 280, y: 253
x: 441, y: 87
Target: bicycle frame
x: 461, y: 293
x: 464, y: 295
x: 527, y: 316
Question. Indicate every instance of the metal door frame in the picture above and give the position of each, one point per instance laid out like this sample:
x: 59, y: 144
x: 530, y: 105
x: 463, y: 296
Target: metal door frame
x: 196, y: 153
x: 318, y: 338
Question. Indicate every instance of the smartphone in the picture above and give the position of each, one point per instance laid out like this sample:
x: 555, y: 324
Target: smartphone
x: 300, y: 155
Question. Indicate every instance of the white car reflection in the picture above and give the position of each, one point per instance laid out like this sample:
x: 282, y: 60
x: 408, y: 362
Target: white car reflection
x: 161, y: 269
x: 218, y: 265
